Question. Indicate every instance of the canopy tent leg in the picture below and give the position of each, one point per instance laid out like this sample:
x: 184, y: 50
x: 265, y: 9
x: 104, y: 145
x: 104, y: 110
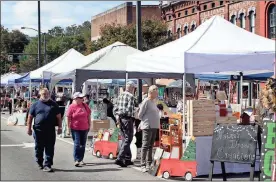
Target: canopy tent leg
x: 274, y: 78
x: 241, y: 89
x: 184, y: 109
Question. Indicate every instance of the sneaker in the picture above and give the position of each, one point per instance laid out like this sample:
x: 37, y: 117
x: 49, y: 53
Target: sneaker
x: 77, y: 164
x: 120, y: 163
x: 82, y: 163
x: 129, y: 163
x: 143, y: 169
x: 47, y: 169
x: 40, y: 166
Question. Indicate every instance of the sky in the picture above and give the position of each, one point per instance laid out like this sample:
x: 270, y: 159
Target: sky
x: 15, y: 14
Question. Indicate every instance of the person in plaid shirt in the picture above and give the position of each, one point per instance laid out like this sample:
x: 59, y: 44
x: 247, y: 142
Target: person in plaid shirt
x: 124, y: 113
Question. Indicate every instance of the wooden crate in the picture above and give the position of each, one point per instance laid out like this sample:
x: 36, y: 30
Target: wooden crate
x: 201, y: 117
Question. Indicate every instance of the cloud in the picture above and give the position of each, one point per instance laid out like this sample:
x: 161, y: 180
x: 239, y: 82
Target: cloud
x: 15, y: 14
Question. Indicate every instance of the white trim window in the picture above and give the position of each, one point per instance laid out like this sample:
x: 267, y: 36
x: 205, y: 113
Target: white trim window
x: 272, y: 22
x: 251, y: 21
x: 241, y: 17
x: 193, y: 26
x: 178, y: 32
x: 186, y: 29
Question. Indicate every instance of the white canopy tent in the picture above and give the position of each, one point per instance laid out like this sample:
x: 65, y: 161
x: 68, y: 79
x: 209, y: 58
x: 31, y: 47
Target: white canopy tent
x: 109, y: 63
x: 85, y: 62
x: 8, y: 76
x: 215, y: 46
x: 66, y: 61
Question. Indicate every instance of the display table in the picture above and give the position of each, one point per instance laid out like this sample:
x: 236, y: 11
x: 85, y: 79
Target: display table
x: 203, y: 153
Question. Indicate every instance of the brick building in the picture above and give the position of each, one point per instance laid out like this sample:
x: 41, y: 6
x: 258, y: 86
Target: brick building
x: 123, y: 14
x: 183, y: 17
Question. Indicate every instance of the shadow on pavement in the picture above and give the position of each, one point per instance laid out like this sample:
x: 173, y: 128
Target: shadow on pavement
x: 87, y: 170
x: 99, y: 164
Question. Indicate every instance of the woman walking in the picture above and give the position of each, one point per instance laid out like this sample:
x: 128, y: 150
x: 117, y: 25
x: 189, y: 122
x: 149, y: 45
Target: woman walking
x: 150, y: 121
x: 78, y: 122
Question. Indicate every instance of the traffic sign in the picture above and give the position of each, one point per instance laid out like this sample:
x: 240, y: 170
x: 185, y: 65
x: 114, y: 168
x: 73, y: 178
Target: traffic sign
x: 10, y: 58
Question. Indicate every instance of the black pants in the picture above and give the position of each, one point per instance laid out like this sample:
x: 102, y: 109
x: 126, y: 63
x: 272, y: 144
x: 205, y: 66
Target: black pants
x: 10, y: 109
x: 126, y: 126
x: 44, y: 142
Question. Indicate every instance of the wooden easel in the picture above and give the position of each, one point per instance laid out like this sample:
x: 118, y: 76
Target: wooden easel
x: 252, y: 171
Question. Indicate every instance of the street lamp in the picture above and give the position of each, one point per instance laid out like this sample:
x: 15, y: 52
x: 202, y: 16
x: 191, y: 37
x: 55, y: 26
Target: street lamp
x: 44, y: 37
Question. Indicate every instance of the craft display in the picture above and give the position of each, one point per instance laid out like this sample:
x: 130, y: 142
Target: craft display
x: 170, y: 136
x: 201, y: 116
x: 185, y: 167
x: 268, y: 150
x: 107, y: 143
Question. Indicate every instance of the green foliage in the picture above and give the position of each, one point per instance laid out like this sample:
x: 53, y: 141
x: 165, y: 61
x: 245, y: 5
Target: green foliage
x: 153, y: 35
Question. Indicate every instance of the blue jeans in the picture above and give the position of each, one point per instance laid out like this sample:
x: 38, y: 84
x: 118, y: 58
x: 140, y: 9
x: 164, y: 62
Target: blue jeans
x: 126, y: 127
x: 79, y: 137
x: 44, y: 142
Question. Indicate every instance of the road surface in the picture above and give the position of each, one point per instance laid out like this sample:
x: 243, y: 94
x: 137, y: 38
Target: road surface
x: 17, y: 162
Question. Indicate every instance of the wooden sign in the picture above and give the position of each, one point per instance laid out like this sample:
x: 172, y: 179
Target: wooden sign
x: 234, y: 144
x: 201, y: 116
x: 268, y: 150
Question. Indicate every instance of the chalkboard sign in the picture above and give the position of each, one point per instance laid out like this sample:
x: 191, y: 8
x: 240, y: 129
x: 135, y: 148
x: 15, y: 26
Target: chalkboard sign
x: 234, y: 143
x: 164, y: 123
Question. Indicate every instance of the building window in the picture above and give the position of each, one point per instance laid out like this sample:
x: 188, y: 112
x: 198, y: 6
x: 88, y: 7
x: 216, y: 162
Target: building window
x: 272, y: 22
x: 242, y: 20
x: 178, y: 32
x: 193, y: 10
x: 204, y: 7
x: 186, y: 12
x: 233, y: 19
x: 193, y: 27
x: 179, y: 14
x: 221, y: 3
x: 213, y: 5
x: 252, y: 21
x: 186, y: 31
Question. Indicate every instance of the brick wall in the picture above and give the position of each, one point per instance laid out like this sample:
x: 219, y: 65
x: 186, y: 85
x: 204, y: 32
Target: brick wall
x: 175, y: 15
x: 123, y: 14
x: 117, y: 15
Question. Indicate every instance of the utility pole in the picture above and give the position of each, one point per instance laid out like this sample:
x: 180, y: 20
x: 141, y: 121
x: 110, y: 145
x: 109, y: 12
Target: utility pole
x: 45, y: 52
x: 39, y: 36
x: 139, y: 44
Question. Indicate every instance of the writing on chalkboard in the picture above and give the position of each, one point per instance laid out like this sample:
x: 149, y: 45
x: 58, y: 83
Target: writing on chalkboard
x: 268, y: 150
x: 234, y: 143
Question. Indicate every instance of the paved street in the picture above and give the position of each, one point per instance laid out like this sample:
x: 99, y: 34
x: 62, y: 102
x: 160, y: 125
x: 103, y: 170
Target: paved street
x: 17, y: 162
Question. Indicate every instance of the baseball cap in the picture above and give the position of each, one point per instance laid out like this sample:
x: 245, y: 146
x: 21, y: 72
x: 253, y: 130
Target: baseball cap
x: 131, y: 83
x: 78, y: 95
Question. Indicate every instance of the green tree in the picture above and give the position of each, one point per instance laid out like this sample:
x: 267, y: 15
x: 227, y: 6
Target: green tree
x: 153, y: 35
x: 28, y: 65
x: 11, y: 42
x: 190, y: 152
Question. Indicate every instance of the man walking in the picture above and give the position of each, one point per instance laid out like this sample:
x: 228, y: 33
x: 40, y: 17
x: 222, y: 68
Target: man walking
x: 124, y: 112
x: 46, y: 116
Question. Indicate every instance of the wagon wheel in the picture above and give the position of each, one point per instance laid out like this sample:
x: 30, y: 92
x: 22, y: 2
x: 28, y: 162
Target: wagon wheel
x: 98, y: 153
x: 166, y: 175
x: 188, y: 176
x: 111, y: 156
